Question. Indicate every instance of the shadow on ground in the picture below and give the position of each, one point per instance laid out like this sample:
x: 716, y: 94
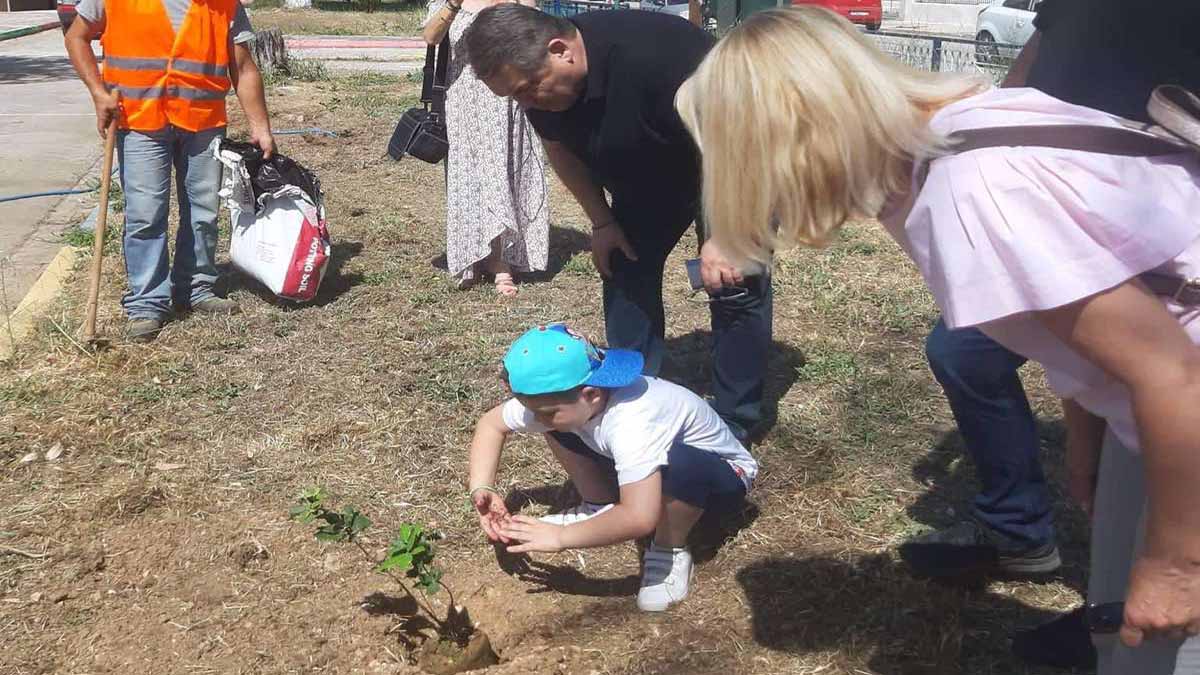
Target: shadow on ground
x: 871, y: 605
x: 565, y: 243
x: 689, y: 362
x: 709, y: 535
x: 950, y: 477
x: 31, y: 69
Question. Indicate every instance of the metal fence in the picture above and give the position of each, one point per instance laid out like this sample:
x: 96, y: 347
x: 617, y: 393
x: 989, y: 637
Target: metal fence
x: 573, y: 7
x: 950, y: 55
x: 939, y: 54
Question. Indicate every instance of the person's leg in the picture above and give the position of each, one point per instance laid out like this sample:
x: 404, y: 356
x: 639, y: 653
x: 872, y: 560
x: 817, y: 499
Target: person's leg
x: 595, y: 479
x: 694, y: 481
x: 982, y: 385
x: 198, y: 178
x: 504, y: 280
x: 1117, y: 533
x: 741, y: 329
x: 145, y: 166
x: 633, y: 305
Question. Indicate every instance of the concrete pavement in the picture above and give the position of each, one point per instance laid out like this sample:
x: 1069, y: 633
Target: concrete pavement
x: 384, y: 54
x: 19, y: 24
x: 48, y: 131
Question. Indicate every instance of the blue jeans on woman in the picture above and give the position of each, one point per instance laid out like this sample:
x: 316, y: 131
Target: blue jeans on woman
x: 989, y: 404
x: 146, y: 159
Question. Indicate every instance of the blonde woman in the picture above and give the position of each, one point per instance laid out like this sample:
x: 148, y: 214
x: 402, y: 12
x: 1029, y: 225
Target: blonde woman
x: 1046, y: 250
x: 497, y: 217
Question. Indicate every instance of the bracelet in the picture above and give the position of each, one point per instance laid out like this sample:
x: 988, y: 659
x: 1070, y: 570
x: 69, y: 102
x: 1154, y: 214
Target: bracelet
x: 601, y: 227
x: 489, y: 488
x: 453, y: 7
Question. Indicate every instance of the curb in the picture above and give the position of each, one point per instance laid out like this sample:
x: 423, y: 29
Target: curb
x: 36, y: 300
x: 28, y: 30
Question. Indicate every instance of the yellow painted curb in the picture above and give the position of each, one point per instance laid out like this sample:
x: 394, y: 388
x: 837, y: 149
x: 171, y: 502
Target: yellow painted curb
x: 41, y: 294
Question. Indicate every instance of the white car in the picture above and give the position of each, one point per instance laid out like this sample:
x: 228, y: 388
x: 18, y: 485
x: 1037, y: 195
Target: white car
x: 1009, y: 23
x: 676, y: 7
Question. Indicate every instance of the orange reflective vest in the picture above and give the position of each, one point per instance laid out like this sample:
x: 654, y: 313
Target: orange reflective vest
x: 166, y: 77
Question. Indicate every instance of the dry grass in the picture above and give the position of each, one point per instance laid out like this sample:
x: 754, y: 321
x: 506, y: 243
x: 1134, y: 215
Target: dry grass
x: 158, y: 541
x: 404, y: 21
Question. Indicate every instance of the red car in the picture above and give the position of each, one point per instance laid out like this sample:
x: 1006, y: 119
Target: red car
x: 867, y: 13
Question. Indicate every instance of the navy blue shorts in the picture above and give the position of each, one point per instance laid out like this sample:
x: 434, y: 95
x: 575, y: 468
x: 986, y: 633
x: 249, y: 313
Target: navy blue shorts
x: 693, y: 476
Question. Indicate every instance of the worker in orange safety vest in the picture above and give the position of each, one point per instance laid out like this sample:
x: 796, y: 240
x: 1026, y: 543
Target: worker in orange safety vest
x: 168, y: 67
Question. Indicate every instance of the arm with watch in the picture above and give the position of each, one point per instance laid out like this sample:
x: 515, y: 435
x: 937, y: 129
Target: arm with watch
x: 607, y: 235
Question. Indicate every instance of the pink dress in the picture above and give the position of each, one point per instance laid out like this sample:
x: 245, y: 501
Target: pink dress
x: 1000, y: 232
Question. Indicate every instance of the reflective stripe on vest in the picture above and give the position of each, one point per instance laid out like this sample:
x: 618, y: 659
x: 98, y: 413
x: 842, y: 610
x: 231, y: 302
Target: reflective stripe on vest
x: 182, y: 65
x: 177, y: 91
x: 167, y: 76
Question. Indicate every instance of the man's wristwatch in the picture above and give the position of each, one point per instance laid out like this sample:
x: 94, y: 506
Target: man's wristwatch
x: 453, y: 7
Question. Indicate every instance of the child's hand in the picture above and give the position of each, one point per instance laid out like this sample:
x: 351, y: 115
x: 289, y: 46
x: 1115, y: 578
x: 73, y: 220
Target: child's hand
x: 493, y: 514
x: 535, y: 536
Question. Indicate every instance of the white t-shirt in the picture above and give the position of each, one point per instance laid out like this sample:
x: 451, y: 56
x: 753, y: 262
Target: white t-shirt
x: 642, y: 422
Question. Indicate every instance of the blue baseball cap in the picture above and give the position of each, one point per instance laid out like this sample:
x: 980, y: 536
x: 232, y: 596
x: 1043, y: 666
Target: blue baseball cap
x: 553, y: 358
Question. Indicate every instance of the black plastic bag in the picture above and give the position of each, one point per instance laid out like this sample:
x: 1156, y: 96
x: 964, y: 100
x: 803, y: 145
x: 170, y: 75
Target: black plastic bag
x: 268, y: 176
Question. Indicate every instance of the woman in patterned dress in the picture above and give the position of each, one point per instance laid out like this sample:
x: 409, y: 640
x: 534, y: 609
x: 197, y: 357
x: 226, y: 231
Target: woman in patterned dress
x: 497, y: 215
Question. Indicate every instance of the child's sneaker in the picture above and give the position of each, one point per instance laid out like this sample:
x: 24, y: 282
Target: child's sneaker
x: 667, y: 573
x: 576, y: 514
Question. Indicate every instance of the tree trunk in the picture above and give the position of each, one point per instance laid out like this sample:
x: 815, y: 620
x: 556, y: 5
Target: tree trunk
x: 269, y: 51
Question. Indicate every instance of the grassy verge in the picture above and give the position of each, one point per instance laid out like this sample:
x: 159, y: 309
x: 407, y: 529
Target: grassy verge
x: 402, y: 20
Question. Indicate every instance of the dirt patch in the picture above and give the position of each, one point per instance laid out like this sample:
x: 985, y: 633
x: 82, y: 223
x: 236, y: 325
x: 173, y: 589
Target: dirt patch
x: 402, y: 21
x: 163, y: 532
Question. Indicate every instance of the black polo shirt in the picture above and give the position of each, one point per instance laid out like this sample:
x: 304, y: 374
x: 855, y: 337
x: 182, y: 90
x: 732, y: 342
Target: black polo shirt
x: 624, y: 126
x: 1109, y: 54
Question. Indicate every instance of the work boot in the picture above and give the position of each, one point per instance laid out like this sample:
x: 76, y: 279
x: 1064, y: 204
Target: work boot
x: 219, y: 306
x: 968, y: 550
x: 143, y: 330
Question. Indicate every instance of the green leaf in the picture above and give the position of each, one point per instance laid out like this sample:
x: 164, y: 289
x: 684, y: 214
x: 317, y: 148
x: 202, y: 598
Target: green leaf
x: 354, y: 520
x: 399, y: 562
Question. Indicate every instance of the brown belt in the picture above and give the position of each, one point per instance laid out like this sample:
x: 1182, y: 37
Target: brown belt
x: 1182, y: 290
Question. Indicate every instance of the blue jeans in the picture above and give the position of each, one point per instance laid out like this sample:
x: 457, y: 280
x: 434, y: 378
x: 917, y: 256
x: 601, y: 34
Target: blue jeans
x: 693, y: 476
x: 146, y: 159
x: 980, y: 379
x: 741, y: 326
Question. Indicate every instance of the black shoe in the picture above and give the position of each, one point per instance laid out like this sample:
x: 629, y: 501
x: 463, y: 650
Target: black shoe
x: 1062, y: 643
x: 968, y: 551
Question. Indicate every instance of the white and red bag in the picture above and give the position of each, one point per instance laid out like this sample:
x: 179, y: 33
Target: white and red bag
x: 280, y: 237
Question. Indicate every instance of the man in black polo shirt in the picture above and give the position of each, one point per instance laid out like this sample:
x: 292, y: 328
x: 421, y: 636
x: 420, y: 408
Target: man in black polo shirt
x: 600, y: 91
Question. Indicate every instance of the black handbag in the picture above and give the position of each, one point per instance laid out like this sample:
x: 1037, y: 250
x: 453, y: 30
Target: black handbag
x: 421, y: 132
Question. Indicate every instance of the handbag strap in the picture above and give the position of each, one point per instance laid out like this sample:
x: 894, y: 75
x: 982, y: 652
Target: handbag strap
x: 1132, y: 140
x: 437, y: 96
x: 433, y: 74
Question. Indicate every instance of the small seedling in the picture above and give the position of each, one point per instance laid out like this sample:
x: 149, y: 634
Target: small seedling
x: 410, y: 553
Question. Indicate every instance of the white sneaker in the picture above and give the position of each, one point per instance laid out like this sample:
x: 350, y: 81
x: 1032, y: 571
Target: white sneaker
x: 665, y: 578
x: 576, y: 514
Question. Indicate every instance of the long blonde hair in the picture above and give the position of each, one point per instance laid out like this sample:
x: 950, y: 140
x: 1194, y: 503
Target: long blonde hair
x: 803, y: 124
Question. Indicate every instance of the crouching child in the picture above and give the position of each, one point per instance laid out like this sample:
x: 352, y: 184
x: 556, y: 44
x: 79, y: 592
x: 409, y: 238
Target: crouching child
x: 647, y: 456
